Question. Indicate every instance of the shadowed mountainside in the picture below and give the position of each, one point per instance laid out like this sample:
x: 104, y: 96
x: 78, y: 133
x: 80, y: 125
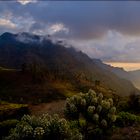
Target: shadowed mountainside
x: 40, y: 63
x: 133, y: 76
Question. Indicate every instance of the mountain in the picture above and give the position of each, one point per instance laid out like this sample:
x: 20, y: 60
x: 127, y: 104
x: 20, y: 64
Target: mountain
x: 120, y: 72
x: 133, y: 76
x: 49, y: 61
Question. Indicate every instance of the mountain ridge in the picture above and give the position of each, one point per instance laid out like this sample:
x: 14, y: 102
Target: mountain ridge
x: 60, y: 62
x: 133, y: 76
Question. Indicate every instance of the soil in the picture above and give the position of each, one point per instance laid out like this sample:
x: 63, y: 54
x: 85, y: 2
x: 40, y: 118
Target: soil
x: 54, y: 107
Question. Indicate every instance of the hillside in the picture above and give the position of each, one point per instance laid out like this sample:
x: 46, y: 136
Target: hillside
x: 133, y: 76
x: 44, y: 68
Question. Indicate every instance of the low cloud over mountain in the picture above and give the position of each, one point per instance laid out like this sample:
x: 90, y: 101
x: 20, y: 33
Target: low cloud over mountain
x: 108, y: 30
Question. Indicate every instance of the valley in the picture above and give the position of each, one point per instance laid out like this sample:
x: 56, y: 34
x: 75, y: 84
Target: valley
x: 128, y: 71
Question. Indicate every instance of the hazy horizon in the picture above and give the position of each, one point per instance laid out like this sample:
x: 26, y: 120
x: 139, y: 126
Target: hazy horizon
x: 128, y: 66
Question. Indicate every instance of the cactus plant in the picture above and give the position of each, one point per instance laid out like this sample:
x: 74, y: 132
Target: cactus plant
x: 97, y: 111
x: 44, y: 127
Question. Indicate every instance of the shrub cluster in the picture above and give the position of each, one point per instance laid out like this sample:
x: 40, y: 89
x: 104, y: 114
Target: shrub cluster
x: 127, y: 119
x: 5, y: 126
x: 42, y: 128
x: 98, y: 113
x: 90, y: 115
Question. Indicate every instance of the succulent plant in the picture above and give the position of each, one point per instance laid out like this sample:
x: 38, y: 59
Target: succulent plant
x: 94, y: 100
x: 113, y: 118
x: 91, y: 109
x: 100, y: 96
x: 97, y: 111
x: 105, y: 104
x: 96, y: 117
x: 111, y: 101
x: 104, y: 123
x: 83, y: 102
x: 92, y: 92
x: 113, y: 110
x: 48, y: 127
x: 99, y: 108
x: 39, y: 131
x: 27, y: 130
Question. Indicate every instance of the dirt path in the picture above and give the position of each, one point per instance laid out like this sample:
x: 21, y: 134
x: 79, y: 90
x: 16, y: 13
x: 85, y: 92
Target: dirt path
x: 51, y: 108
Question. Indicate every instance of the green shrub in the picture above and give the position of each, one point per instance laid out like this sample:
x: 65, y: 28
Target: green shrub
x: 99, y: 113
x: 5, y: 126
x: 127, y: 119
x: 12, y: 110
x: 123, y: 105
x: 42, y: 128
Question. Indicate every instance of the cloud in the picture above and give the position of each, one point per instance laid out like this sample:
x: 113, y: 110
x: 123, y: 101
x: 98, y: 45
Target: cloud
x: 88, y: 20
x: 7, y: 23
x: 58, y: 27
x: 49, y: 28
x: 22, y: 24
x: 24, y: 2
x: 106, y: 30
x: 85, y: 20
x: 114, y: 46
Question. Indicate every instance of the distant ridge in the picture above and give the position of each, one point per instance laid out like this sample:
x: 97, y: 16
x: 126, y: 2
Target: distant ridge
x: 133, y: 76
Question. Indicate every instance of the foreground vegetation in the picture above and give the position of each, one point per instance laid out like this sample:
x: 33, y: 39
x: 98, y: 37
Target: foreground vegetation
x: 12, y: 110
x: 87, y: 116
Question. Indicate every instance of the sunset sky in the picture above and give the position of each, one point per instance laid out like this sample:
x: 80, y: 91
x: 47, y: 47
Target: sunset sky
x: 106, y: 30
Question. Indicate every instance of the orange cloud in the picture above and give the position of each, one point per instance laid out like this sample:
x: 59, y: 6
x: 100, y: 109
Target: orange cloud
x: 7, y: 23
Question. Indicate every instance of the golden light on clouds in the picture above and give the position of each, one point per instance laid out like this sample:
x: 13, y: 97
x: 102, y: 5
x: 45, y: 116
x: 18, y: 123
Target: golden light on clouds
x: 126, y: 66
x: 7, y: 23
x: 24, y: 2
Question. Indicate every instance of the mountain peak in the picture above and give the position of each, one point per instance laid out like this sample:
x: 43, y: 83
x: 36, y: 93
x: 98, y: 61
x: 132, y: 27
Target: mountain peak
x: 28, y: 37
x: 7, y: 38
x: 7, y: 35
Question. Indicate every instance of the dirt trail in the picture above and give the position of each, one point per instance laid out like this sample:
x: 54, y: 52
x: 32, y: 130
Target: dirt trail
x: 51, y: 108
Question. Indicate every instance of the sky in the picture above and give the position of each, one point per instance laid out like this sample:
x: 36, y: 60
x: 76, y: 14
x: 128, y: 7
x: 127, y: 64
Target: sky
x: 108, y: 30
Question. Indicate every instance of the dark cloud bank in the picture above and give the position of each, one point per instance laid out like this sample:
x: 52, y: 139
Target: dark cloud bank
x: 106, y: 30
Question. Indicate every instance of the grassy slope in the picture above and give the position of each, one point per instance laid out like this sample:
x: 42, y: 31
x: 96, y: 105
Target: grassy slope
x: 12, y: 110
x: 18, y: 87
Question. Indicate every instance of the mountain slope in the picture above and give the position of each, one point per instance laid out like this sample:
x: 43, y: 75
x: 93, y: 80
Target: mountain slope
x: 53, y: 62
x: 133, y: 76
